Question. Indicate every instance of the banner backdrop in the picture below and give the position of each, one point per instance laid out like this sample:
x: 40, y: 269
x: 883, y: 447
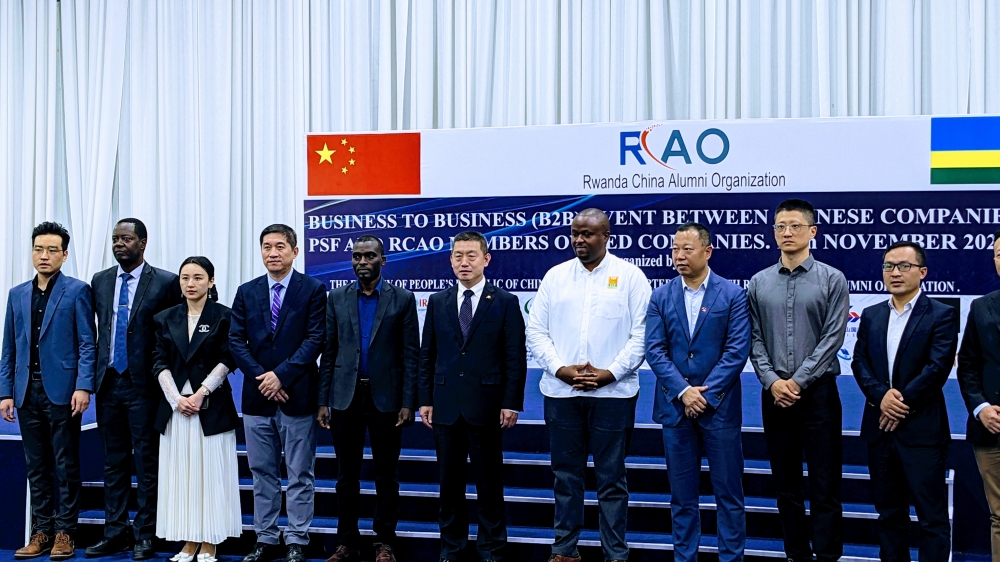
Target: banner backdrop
x: 873, y: 181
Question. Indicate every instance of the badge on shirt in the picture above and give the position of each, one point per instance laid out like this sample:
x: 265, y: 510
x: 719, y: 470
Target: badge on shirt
x: 203, y: 329
x: 612, y: 282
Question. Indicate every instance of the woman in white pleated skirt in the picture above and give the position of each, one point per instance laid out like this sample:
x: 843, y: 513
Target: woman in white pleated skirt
x: 198, y: 499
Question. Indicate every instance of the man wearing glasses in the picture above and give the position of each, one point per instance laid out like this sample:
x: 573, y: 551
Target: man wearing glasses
x: 904, y: 353
x: 798, y: 312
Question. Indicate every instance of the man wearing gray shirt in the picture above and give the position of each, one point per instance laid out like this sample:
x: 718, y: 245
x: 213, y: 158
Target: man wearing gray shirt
x: 798, y: 313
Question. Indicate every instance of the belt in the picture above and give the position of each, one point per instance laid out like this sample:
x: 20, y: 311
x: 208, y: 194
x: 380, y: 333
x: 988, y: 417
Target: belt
x: 36, y: 375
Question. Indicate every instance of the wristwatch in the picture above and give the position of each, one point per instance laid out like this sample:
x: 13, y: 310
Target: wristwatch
x: 204, y: 391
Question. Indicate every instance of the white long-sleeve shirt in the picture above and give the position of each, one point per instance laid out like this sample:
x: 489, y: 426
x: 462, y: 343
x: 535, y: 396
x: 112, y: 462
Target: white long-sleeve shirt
x: 597, y: 316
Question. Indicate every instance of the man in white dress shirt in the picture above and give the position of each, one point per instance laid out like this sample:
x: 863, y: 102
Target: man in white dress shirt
x: 586, y: 330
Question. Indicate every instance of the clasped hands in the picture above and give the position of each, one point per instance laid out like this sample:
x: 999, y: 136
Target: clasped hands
x: 271, y: 388
x: 893, y: 410
x: 585, y: 377
x: 190, y: 405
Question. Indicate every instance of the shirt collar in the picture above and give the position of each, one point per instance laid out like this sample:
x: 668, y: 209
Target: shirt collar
x: 703, y: 286
x: 906, y: 307
x: 52, y: 280
x: 600, y: 267
x: 135, y: 273
x: 806, y: 265
x: 376, y: 292
x: 477, y: 289
x: 271, y: 282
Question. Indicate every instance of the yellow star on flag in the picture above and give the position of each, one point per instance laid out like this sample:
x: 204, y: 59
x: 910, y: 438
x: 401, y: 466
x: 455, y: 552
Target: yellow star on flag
x: 343, y: 142
x: 343, y: 170
x: 325, y: 154
x: 351, y: 161
x: 351, y: 150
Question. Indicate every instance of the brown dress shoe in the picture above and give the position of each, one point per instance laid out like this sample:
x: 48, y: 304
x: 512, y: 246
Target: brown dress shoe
x: 39, y: 544
x: 383, y: 553
x: 62, y: 548
x: 343, y: 554
x: 561, y: 558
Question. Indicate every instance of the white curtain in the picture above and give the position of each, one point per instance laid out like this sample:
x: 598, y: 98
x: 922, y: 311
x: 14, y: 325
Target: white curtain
x: 190, y: 115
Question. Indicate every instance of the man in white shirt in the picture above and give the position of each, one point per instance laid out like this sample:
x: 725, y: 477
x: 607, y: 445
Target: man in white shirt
x: 902, y: 359
x: 586, y: 330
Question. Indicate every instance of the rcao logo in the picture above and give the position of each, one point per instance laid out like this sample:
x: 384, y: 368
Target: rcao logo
x: 637, y: 144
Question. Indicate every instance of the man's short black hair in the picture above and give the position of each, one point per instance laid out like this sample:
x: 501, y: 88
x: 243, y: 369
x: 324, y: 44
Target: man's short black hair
x: 472, y: 236
x: 282, y: 229
x: 48, y: 227
x: 140, y: 228
x: 370, y: 238
x: 921, y: 253
x: 800, y: 205
x: 703, y: 234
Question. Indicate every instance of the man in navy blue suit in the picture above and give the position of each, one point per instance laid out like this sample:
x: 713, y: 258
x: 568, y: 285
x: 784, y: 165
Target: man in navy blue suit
x: 697, y: 342
x: 275, y: 336
x: 471, y: 387
x: 47, y: 373
x: 904, y: 354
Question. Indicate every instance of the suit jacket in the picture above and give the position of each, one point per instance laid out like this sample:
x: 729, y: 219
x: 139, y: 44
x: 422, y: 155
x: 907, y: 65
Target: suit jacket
x: 979, y: 364
x: 923, y: 362
x: 157, y: 290
x: 393, y: 351
x: 66, y: 350
x: 478, y: 376
x: 193, y: 360
x: 290, y: 351
x: 714, y: 356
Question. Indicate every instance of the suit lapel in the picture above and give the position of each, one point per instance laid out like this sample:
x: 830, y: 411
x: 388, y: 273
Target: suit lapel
x: 292, y: 291
x: 878, y: 341
x: 112, y: 298
x: 995, y: 309
x: 351, y: 302
x: 919, y: 308
x: 206, y: 323
x: 387, y: 293
x: 711, y: 293
x: 264, y: 295
x: 485, y: 300
x: 140, y: 290
x: 451, y: 305
x: 680, y: 308
x: 177, y: 324
x: 26, y: 308
x: 58, y: 289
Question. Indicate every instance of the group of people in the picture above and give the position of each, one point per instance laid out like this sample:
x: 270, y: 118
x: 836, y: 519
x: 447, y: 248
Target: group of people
x: 353, y: 361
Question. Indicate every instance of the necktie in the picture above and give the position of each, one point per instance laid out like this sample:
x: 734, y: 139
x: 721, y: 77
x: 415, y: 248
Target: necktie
x: 121, y: 327
x: 465, y: 314
x: 275, y: 306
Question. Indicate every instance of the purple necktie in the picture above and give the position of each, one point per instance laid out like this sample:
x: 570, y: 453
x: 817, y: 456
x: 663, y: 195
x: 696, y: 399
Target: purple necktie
x: 465, y: 314
x: 275, y: 306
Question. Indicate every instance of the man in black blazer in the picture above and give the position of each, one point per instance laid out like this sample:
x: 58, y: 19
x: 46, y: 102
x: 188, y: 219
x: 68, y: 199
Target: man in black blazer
x: 979, y: 380
x: 368, y: 383
x: 275, y: 337
x: 902, y: 358
x: 472, y: 372
x: 126, y: 297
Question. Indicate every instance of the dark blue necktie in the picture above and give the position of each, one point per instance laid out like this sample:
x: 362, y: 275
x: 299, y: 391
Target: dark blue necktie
x: 465, y: 314
x: 121, y: 327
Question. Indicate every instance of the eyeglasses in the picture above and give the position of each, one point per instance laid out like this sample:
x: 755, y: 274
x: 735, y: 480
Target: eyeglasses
x: 903, y: 267
x: 795, y: 228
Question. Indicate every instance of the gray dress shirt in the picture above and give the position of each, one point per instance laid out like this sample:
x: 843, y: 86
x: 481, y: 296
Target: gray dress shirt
x: 798, y: 319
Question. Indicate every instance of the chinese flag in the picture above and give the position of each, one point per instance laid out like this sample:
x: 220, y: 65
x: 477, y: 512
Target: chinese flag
x: 368, y: 164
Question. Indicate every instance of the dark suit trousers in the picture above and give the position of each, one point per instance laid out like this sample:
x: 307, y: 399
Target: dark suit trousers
x: 349, y: 427
x: 811, y: 427
x: 901, y: 475
x: 51, y: 439
x: 483, y: 445
x: 125, y: 421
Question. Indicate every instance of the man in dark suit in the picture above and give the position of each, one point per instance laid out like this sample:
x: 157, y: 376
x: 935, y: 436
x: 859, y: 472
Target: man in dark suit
x: 472, y: 371
x: 979, y: 379
x: 368, y: 384
x: 697, y: 342
x: 275, y: 337
x: 126, y: 297
x: 902, y: 358
x: 47, y: 372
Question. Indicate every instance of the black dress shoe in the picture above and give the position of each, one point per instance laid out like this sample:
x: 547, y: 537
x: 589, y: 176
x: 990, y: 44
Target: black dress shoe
x: 107, y: 547
x: 143, y: 550
x: 261, y: 553
x: 295, y: 554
